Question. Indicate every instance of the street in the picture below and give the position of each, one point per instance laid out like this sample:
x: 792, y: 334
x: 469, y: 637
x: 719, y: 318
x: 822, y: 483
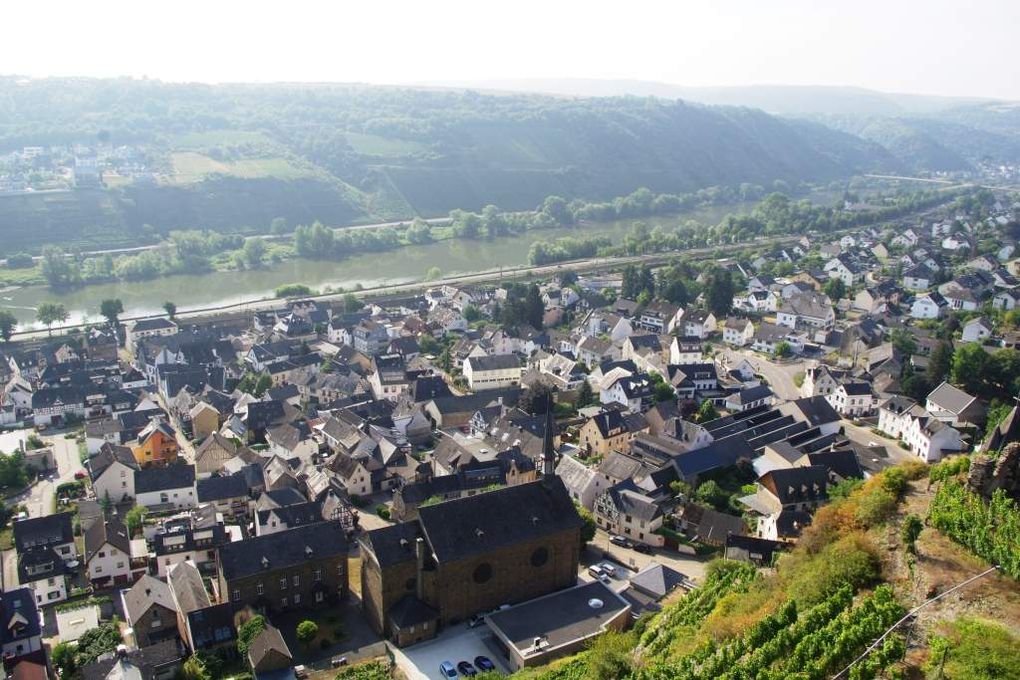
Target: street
x: 691, y: 566
x: 38, y: 499
x: 779, y: 376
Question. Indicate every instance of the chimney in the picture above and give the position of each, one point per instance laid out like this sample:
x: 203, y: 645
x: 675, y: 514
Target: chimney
x: 419, y: 574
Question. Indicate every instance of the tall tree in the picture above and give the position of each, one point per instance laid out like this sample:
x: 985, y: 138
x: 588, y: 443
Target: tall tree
x: 170, y: 308
x: 50, y: 313
x: 940, y: 363
x: 111, y: 308
x: 534, y: 307
x: 254, y: 250
x: 970, y: 365
x: 8, y: 322
x: 719, y: 291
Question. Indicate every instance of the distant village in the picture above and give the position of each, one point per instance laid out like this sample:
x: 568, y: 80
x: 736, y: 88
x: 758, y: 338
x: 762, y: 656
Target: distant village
x: 391, y: 468
x: 81, y: 166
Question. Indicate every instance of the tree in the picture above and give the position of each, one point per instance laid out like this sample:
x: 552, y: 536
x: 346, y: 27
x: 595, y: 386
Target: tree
x: 835, y: 289
x: 903, y: 342
x: 49, y: 313
x: 134, y: 518
x: 306, y: 631
x: 707, y: 411
x: 661, y: 389
x: 783, y: 349
x: 62, y: 656
x: 8, y: 322
x: 248, y: 631
x: 719, y: 292
x: 940, y: 362
x: 170, y: 308
x: 351, y: 303
x: 57, y: 268
x: 433, y: 274
x: 970, y: 366
x: 585, y: 395
x: 712, y: 495
x: 95, y: 642
x: 567, y: 277
x: 111, y: 309
x: 194, y: 669
x: 609, y: 656
x: 253, y: 251
x: 911, y: 529
x: 588, y: 525
x: 472, y: 314
x: 534, y: 307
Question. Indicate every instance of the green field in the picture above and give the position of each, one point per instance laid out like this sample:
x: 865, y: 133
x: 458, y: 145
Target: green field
x: 190, y: 167
x: 374, y: 145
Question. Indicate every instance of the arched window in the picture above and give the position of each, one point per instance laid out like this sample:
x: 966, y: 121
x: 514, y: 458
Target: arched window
x: 483, y: 572
x: 539, y: 557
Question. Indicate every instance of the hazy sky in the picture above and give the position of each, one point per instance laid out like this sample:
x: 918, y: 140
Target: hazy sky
x: 933, y: 47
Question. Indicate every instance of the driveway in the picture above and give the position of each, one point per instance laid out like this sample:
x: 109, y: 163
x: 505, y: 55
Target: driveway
x: 600, y: 549
x: 38, y: 499
x: 863, y: 435
x: 455, y: 644
x: 779, y: 376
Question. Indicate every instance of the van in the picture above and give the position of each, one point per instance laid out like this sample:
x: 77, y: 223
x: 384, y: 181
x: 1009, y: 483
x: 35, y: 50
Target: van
x: 595, y: 571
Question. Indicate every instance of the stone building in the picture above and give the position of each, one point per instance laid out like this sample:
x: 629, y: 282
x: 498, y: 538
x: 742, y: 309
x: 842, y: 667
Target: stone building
x: 469, y: 556
x: 301, y: 567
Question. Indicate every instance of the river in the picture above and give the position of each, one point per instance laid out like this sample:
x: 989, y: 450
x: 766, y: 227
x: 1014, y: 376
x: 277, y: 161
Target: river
x: 404, y: 265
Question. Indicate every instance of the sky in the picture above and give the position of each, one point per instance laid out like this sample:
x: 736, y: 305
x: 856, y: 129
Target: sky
x: 935, y: 47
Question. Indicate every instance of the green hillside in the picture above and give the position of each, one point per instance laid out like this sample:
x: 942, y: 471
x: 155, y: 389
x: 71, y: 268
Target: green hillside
x: 233, y: 157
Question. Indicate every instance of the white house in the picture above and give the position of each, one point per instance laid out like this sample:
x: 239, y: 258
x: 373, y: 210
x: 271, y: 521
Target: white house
x: 699, y: 324
x: 166, y: 488
x: 819, y: 381
x: 917, y: 278
x: 928, y: 306
x: 492, y: 372
x: 977, y: 329
x: 147, y: 328
x: 112, y: 471
x: 806, y: 309
x: 583, y: 483
x: 738, y: 332
x: 930, y: 439
x: 22, y: 632
x: 108, y: 553
x: 852, y: 399
x: 685, y: 350
x: 1006, y: 300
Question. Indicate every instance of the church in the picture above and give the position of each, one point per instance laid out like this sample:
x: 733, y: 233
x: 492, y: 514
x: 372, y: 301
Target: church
x: 470, y: 556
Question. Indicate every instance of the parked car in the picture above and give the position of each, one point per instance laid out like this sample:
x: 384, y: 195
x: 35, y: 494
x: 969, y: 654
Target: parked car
x: 616, y: 539
x: 300, y: 672
x: 484, y: 663
x: 447, y: 670
x: 609, y: 569
x: 642, y: 548
x: 604, y: 578
x: 595, y: 570
x: 80, y: 474
x: 466, y: 669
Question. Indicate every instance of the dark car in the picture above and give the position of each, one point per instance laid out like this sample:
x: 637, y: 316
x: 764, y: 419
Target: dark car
x: 484, y: 663
x: 466, y: 669
x: 642, y: 548
x: 446, y: 670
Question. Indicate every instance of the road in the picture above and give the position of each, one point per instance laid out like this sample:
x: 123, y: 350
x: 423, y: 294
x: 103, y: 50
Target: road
x: 691, y: 566
x: 39, y: 498
x: 864, y: 435
x: 779, y: 376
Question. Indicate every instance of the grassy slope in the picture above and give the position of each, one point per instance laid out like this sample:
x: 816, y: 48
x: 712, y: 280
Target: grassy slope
x: 858, y: 541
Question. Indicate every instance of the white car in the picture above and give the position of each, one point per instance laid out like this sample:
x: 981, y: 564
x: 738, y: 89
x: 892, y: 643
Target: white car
x: 609, y: 569
x: 596, y: 571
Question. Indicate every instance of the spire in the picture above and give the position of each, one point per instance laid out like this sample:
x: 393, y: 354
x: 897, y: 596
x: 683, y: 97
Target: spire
x: 548, y: 450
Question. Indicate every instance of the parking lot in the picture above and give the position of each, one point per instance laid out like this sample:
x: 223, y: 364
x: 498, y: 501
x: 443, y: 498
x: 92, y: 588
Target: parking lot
x: 457, y: 643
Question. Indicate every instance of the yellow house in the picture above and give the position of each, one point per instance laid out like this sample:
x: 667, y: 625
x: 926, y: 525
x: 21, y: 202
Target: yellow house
x: 204, y: 420
x: 157, y: 444
x: 609, y: 430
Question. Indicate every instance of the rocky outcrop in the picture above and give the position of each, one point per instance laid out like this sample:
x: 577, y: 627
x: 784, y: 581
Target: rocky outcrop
x: 988, y: 474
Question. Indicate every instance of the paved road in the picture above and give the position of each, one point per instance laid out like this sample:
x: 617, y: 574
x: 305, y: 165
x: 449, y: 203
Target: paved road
x: 692, y: 566
x: 779, y: 376
x: 39, y: 498
x: 864, y: 435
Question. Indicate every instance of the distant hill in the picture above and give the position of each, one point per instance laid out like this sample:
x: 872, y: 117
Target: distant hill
x: 922, y: 132
x: 232, y: 157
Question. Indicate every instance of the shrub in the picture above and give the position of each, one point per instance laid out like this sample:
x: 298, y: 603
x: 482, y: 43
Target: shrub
x: 248, y: 631
x: 382, y: 511
x: 306, y: 631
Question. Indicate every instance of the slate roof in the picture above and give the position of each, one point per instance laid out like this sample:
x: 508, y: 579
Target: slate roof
x: 187, y: 587
x: 107, y: 456
x: 798, y: 484
x: 282, y: 550
x: 111, y: 531
x: 466, y: 526
x: 148, y: 591
x: 148, y: 661
x: 656, y: 580
x: 392, y: 544
x: 221, y: 488
x: 18, y: 602
x: 268, y: 641
x: 177, y: 476
x: 47, y: 530
x: 498, y: 362
x: 950, y: 399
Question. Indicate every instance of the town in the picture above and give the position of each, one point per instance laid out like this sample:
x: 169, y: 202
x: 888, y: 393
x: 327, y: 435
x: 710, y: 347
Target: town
x: 484, y: 477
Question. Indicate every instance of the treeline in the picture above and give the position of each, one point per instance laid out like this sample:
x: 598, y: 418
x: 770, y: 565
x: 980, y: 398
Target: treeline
x: 187, y: 252
x: 318, y: 242
x: 566, y: 248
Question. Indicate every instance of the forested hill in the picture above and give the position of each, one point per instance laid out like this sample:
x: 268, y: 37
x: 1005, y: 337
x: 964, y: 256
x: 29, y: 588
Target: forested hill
x: 227, y: 156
